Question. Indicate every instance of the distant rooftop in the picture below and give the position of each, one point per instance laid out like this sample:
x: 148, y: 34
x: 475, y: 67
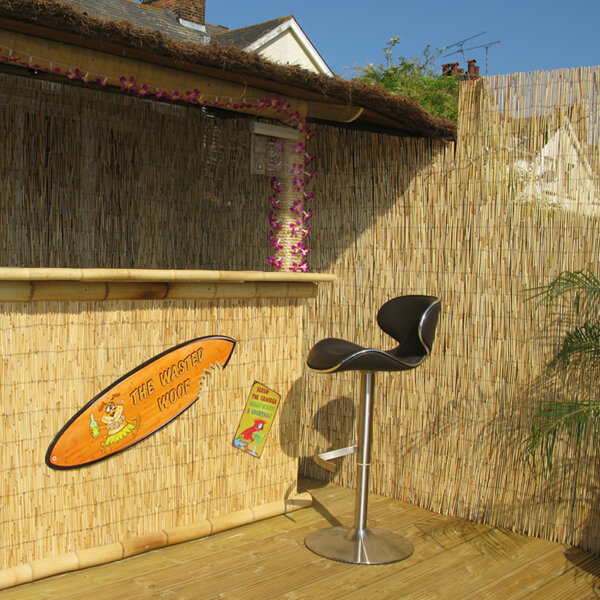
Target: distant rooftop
x: 153, y: 18
x: 247, y: 35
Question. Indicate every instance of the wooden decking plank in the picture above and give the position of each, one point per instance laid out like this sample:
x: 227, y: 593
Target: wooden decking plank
x: 433, y: 575
x: 285, y: 559
x: 264, y: 581
x: 432, y: 534
x: 276, y: 574
x: 198, y: 571
x: 513, y: 581
x: 432, y: 539
x: 576, y: 575
x: 442, y: 545
x: 201, y: 557
x: 453, y: 560
x: 472, y: 577
x: 545, y: 563
x: 415, y: 523
x: 273, y: 553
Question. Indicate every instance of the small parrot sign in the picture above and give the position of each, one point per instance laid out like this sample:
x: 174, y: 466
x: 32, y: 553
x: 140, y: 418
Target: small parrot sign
x: 257, y: 418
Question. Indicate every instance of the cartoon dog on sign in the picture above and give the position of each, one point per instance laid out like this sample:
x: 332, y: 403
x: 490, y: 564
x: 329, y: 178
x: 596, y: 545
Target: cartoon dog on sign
x: 116, y: 425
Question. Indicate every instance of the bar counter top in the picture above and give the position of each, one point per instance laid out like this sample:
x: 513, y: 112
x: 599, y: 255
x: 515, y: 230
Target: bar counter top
x: 19, y: 284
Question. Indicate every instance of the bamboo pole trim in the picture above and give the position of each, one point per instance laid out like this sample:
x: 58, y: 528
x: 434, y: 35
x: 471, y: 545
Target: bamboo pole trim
x: 73, y: 561
x: 34, y: 290
x: 155, y: 275
x: 16, y: 576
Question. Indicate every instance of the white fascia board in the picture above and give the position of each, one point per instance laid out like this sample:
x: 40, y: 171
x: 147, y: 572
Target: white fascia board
x: 303, y: 40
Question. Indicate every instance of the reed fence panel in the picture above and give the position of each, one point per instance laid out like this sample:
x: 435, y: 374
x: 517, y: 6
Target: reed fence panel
x: 92, y: 179
x: 512, y: 204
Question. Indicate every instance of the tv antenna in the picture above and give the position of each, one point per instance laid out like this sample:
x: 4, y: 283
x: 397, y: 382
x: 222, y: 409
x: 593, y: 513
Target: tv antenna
x: 461, y: 46
x: 487, y: 47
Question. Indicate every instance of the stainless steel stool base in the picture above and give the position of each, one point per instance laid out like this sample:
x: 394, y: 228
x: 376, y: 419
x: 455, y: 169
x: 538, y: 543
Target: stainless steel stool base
x: 359, y: 547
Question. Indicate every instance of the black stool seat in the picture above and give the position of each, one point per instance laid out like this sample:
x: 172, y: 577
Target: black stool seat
x: 332, y: 355
x: 410, y: 320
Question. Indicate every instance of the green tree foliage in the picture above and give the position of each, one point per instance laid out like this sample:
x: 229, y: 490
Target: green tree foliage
x: 578, y: 355
x: 416, y: 79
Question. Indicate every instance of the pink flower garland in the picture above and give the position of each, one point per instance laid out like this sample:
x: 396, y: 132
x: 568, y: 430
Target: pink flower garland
x: 300, y: 177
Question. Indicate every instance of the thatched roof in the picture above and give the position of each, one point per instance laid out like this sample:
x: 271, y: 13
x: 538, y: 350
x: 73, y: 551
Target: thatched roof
x: 62, y: 20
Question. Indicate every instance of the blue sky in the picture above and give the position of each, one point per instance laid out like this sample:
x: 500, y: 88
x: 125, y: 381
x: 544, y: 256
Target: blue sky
x: 535, y: 35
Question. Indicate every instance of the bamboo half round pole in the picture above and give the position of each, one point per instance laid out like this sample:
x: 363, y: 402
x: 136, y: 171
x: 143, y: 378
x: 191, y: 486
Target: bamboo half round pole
x: 74, y: 561
x: 29, y: 291
x: 156, y: 275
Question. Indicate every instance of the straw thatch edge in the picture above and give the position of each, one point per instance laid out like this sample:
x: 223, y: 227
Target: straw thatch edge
x: 57, y: 16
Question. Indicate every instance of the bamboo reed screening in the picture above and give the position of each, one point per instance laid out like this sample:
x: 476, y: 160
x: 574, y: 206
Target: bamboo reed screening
x: 151, y: 189
x: 91, y: 180
x: 59, y: 355
x: 129, y: 227
x: 515, y: 202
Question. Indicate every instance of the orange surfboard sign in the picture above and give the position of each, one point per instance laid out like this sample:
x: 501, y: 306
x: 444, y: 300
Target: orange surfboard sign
x: 139, y: 403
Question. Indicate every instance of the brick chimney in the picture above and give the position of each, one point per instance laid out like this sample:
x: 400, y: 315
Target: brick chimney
x: 472, y: 68
x: 187, y: 10
x: 451, y: 69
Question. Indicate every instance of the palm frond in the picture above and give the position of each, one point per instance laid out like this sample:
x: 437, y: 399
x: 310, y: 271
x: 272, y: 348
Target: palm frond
x: 579, y: 355
x: 581, y: 342
x: 584, y: 284
x: 556, y: 418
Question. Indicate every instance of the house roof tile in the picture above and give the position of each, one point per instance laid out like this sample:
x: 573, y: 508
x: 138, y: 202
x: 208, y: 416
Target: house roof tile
x: 245, y: 36
x: 152, y: 18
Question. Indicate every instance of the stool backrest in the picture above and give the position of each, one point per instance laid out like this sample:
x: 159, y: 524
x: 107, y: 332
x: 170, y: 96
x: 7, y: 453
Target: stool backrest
x: 411, y: 321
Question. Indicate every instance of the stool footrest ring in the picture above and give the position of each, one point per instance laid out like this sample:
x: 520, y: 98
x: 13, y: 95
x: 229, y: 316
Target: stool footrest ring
x: 323, y: 459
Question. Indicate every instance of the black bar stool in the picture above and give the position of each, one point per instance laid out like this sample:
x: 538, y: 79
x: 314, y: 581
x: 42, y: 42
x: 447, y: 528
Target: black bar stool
x: 411, y: 321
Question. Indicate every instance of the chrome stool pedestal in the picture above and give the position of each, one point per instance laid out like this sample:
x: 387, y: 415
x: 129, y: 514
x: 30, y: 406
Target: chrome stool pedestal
x: 359, y: 544
x: 411, y: 320
x: 360, y: 547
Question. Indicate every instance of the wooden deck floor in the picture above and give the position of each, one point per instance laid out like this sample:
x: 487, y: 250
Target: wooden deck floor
x: 267, y: 560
